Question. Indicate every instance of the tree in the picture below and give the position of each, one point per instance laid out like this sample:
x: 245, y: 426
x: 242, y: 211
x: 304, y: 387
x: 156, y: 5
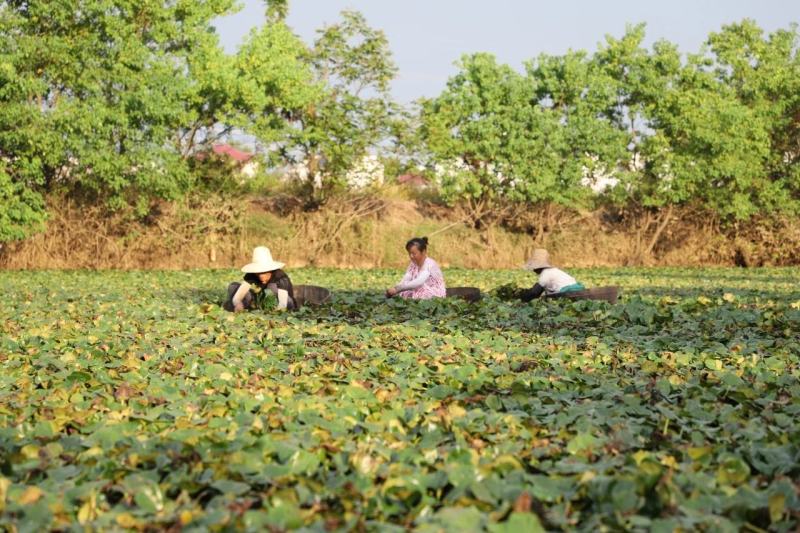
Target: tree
x: 277, y: 10
x: 21, y: 209
x: 92, y: 92
x: 718, y: 130
x: 699, y: 137
x: 705, y: 124
x: 708, y: 147
x: 490, y: 142
x: 354, y: 113
x: 763, y: 72
x: 591, y: 116
x: 110, y: 100
x: 255, y: 91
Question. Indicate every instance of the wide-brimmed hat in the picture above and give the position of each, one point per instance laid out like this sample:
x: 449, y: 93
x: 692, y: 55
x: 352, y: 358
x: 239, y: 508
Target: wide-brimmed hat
x: 539, y: 259
x: 262, y: 262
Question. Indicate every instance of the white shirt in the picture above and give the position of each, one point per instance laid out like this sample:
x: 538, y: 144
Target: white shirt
x: 553, y: 280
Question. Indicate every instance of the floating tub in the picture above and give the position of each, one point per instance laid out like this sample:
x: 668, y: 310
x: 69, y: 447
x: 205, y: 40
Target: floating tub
x: 609, y: 294
x: 470, y: 294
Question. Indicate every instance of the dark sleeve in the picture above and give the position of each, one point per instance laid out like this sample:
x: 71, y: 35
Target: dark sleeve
x: 283, y: 282
x: 533, y: 292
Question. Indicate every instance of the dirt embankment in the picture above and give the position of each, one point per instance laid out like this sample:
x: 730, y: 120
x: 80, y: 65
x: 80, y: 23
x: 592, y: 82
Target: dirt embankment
x: 371, y: 232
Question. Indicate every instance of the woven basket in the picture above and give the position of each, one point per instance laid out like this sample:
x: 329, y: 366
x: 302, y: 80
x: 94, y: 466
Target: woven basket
x: 470, y: 294
x: 609, y: 294
x: 310, y: 295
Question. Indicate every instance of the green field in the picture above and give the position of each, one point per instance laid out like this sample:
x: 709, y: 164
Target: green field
x: 131, y: 400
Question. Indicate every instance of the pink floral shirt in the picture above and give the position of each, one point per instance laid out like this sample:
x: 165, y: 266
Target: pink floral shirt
x: 422, y: 283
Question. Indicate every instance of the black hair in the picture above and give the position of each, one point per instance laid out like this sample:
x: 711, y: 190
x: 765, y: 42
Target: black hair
x: 420, y: 242
x: 252, y: 277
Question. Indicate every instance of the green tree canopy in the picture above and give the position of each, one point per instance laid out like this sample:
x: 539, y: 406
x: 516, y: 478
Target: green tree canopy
x: 93, y: 93
x: 487, y: 140
x: 110, y: 99
x: 705, y: 125
x: 718, y: 129
x: 354, y: 113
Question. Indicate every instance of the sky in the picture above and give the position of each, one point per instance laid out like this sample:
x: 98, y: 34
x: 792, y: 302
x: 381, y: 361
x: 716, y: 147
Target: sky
x: 428, y: 36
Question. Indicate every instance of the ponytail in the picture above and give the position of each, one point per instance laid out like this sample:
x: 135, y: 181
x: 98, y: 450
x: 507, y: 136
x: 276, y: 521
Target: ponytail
x: 420, y: 242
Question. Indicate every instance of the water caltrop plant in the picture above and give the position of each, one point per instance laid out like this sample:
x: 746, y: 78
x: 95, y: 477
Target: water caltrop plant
x: 133, y: 401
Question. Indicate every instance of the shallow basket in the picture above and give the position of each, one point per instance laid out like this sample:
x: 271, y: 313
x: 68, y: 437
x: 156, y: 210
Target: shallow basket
x: 470, y: 294
x: 310, y: 295
x: 609, y: 294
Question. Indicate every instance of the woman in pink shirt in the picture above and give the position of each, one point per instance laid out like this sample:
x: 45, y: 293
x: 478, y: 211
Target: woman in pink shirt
x: 423, y: 278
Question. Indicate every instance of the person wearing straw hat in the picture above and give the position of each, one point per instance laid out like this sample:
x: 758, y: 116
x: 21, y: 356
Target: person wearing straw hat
x: 264, y: 279
x: 551, y: 279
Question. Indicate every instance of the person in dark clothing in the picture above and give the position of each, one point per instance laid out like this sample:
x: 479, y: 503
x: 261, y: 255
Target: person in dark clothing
x: 264, y: 281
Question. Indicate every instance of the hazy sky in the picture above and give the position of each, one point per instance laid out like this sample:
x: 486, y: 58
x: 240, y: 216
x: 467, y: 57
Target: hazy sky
x: 427, y: 36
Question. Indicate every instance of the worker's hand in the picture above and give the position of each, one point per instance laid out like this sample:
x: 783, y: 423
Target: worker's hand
x: 391, y: 291
x: 238, y: 307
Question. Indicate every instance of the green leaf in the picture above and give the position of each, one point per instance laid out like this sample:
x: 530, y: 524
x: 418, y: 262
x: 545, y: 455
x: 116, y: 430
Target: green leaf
x: 303, y: 462
x: 777, y: 506
x: 456, y: 519
x: 149, y: 498
x: 732, y: 470
x: 583, y: 443
x: 227, y: 486
x: 284, y: 515
x: 524, y: 521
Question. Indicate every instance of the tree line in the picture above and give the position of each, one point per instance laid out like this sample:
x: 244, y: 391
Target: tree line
x: 110, y: 101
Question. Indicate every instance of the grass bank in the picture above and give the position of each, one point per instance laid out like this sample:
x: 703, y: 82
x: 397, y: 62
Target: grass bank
x: 368, y: 231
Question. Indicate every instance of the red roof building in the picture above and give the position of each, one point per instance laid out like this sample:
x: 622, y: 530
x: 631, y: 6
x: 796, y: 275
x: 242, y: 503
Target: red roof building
x: 413, y: 180
x: 233, y: 153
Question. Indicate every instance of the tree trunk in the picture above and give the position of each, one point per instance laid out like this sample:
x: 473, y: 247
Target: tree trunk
x: 665, y: 218
x: 637, y: 253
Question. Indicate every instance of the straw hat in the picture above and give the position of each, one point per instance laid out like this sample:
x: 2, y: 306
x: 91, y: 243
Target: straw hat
x: 539, y: 259
x: 262, y: 262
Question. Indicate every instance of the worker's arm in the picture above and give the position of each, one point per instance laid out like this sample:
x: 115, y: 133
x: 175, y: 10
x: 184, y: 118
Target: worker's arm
x: 239, y: 296
x: 402, y: 286
x: 532, y: 293
x: 419, y: 281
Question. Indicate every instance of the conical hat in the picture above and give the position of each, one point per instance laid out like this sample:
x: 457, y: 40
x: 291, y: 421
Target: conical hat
x: 262, y: 262
x: 539, y: 259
